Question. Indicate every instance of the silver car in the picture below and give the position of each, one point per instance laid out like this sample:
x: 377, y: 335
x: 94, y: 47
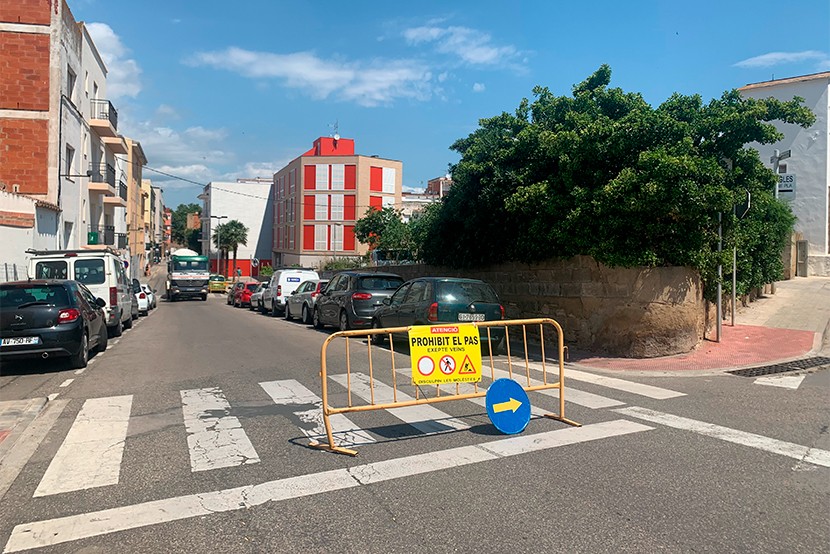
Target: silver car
x: 256, y: 298
x: 301, y: 303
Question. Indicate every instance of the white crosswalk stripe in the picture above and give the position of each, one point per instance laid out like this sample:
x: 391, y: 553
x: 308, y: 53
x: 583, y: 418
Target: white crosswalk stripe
x: 782, y: 381
x: 649, y: 391
x: 215, y: 439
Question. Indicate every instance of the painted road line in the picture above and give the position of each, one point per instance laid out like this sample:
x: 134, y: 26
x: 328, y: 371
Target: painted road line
x: 66, y: 383
x: 215, y: 439
x: 90, y: 455
x: 783, y: 381
x: 426, y: 419
x: 71, y: 528
x: 52, y: 396
x: 791, y: 450
x: 80, y: 371
x: 309, y: 414
x: 649, y: 391
x: 581, y: 398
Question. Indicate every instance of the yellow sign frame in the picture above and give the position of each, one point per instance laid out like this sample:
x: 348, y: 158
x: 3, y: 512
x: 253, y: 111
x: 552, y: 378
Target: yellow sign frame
x: 441, y: 354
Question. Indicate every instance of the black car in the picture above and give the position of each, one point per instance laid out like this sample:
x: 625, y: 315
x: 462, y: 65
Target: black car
x: 49, y: 318
x: 432, y: 300
x: 351, y: 297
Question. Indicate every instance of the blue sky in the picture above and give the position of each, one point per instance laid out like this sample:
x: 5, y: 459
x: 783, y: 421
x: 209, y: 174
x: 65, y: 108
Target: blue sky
x: 216, y: 90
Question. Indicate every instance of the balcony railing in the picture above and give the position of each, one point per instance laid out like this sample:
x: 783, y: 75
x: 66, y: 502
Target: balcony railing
x: 122, y: 190
x: 122, y: 240
x: 103, y: 109
x: 102, y: 173
x: 101, y: 234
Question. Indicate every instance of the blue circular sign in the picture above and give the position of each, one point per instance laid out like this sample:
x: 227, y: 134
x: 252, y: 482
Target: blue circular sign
x: 508, y: 406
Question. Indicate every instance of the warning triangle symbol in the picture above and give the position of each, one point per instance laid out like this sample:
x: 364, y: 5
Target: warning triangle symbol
x: 466, y: 366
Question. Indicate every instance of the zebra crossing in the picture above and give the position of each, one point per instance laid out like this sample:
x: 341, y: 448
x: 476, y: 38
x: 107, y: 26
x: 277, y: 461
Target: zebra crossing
x: 92, y: 450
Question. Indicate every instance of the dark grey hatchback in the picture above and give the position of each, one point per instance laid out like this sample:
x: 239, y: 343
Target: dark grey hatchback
x: 351, y: 297
x: 51, y: 318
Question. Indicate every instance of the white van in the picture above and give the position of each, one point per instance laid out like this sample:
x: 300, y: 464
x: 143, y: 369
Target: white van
x: 283, y: 283
x: 101, y: 271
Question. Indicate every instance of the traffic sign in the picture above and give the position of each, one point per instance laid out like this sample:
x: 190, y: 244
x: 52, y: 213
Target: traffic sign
x: 508, y: 406
x: 454, y: 350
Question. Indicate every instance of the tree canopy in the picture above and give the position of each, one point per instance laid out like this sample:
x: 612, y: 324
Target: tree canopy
x: 603, y: 173
x: 180, y: 234
x: 228, y: 237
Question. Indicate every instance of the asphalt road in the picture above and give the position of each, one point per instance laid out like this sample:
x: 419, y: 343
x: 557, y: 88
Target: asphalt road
x: 211, y: 461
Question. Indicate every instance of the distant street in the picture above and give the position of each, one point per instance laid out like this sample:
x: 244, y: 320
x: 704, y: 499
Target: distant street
x: 190, y: 434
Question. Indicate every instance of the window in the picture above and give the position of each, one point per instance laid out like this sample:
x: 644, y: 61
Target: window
x: 321, y: 177
x: 337, y: 237
x: 338, y: 177
x: 321, y: 207
x: 337, y: 206
x: 397, y: 298
x: 389, y: 180
x: 90, y: 272
x: 388, y: 201
x: 70, y: 83
x: 417, y: 293
x: 291, y: 237
x: 50, y: 270
x: 292, y: 181
x: 69, y: 161
x: 320, y: 236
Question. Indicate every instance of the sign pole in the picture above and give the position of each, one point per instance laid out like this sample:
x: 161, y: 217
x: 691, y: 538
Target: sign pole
x: 720, y: 278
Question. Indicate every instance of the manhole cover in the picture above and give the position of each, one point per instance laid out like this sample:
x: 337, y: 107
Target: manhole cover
x: 795, y: 365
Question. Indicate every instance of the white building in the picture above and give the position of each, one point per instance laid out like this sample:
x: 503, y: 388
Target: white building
x: 808, y: 165
x: 249, y: 202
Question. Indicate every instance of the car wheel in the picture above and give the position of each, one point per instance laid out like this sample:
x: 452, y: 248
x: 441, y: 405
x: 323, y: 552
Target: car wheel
x: 117, y: 329
x: 79, y: 360
x: 129, y: 323
x: 379, y: 338
x: 306, y: 315
x: 204, y: 298
x: 315, y: 319
x: 287, y: 311
x: 273, y: 309
x: 103, y: 339
x: 344, y: 321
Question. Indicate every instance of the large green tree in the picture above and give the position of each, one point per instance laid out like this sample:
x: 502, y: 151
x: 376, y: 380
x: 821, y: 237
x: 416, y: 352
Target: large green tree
x: 384, y: 229
x: 603, y: 173
x: 229, y: 236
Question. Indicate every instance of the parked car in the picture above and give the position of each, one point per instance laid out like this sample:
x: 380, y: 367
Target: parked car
x: 217, y: 283
x: 431, y: 300
x: 242, y: 295
x: 101, y: 271
x: 151, y: 295
x: 46, y: 318
x: 301, y: 303
x: 141, y: 298
x: 256, y: 297
x: 351, y: 297
x: 282, y: 283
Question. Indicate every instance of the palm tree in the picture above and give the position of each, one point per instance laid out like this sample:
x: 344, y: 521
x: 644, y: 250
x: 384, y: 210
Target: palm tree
x: 234, y: 233
x: 221, y: 234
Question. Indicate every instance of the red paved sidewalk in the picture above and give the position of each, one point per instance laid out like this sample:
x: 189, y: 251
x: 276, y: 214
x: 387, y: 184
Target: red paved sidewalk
x: 741, y: 346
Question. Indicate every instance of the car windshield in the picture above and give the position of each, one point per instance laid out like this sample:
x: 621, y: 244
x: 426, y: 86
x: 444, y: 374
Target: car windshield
x: 379, y: 283
x: 216, y: 278
x: 252, y: 286
x: 189, y: 265
x: 465, y: 292
x: 17, y: 296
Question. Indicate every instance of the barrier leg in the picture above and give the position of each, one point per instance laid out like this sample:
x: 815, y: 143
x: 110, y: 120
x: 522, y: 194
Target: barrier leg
x: 331, y: 446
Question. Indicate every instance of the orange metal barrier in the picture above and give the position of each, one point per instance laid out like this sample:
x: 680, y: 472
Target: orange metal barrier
x: 421, y: 395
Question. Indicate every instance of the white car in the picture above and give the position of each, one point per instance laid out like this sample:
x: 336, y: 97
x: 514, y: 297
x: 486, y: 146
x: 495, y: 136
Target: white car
x: 141, y: 297
x: 151, y: 295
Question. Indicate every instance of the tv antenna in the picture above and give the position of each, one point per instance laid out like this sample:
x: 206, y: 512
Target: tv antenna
x: 335, y: 127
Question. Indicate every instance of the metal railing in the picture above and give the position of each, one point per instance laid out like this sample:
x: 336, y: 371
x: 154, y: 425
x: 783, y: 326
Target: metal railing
x: 101, y: 234
x: 121, y: 238
x: 122, y: 190
x: 103, y: 109
x: 102, y: 173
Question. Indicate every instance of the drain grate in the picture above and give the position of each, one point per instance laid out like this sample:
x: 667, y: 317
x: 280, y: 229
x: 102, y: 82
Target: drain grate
x: 795, y: 365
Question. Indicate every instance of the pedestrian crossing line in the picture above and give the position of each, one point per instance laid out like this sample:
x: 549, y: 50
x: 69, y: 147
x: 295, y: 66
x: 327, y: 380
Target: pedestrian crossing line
x: 291, y: 393
x: 425, y: 418
x: 61, y: 530
x: 640, y: 389
x: 215, y: 439
x: 802, y: 453
x: 91, y: 453
x: 783, y: 381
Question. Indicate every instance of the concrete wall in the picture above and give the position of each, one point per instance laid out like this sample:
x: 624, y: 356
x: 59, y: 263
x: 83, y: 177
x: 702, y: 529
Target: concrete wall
x: 639, y: 312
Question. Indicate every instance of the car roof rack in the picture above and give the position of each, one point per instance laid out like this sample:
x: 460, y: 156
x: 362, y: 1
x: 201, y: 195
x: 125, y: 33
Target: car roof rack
x: 106, y: 250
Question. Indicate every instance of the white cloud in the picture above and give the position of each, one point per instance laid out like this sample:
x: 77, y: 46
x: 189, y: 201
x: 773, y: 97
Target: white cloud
x: 478, y: 87
x: 166, y: 111
x: 780, y: 58
x: 473, y: 47
x: 366, y: 83
x: 123, y: 73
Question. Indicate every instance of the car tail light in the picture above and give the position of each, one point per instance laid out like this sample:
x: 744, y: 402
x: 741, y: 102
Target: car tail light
x: 361, y: 296
x: 315, y: 293
x: 433, y: 312
x: 68, y: 315
x: 502, y: 310
x: 142, y: 296
x: 279, y: 290
x: 113, y: 296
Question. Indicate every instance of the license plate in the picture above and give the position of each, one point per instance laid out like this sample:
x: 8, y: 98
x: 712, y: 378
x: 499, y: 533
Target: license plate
x: 470, y: 317
x: 17, y: 341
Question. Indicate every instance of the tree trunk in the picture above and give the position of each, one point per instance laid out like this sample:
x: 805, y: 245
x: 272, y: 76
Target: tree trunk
x: 234, y: 262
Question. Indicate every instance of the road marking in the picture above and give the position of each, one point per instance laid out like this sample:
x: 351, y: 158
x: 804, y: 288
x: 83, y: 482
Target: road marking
x: 581, y: 398
x: 783, y: 448
x: 426, y: 419
x: 649, y: 391
x: 310, y: 420
x: 90, y: 455
x: 215, y: 439
x: 65, y: 529
x: 52, y: 396
x: 80, y: 371
x: 66, y: 383
x: 783, y: 381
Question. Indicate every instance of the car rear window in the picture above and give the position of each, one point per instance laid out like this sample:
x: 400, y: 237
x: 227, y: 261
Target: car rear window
x: 251, y: 286
x: 379, y: 283
x: 90, y: 272
x: 50, y: 270
x: 465, y: 292
x: 15, y: 296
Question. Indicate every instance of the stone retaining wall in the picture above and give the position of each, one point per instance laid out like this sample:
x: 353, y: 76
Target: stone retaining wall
x: 639, y: 312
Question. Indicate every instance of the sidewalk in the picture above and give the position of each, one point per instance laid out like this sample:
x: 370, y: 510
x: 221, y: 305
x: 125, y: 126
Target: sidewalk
x: 788, y: 325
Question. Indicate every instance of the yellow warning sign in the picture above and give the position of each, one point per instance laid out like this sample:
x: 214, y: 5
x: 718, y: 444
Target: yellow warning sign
x: 445, y: 354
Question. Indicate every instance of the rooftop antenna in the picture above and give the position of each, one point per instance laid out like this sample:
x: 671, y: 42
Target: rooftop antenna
x: 335, y: 128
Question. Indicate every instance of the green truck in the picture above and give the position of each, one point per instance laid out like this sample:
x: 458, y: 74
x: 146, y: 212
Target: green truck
x: 187, y: 275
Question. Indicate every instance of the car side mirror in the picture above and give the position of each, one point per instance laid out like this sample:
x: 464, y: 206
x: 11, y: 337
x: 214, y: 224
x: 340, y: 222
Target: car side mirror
x: 387, y: 301
x: 100, y: 302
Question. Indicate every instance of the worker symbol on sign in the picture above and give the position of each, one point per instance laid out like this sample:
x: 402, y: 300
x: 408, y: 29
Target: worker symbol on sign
x: 447, y: 365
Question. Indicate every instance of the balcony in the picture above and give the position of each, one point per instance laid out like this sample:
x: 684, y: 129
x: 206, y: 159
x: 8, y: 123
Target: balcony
x: 116, y: 145
x: 121, y: 239
x: 121, y: 198
x: 103, y: 118
x: 101, y: 234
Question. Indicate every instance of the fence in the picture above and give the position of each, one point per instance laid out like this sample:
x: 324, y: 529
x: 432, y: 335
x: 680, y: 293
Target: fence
x: 400, y: 397
x: 12, y: 272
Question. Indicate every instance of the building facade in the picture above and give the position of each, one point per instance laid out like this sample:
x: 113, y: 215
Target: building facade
x: 807, y: 166
x: 320, y: 195
x: 136, y: 205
